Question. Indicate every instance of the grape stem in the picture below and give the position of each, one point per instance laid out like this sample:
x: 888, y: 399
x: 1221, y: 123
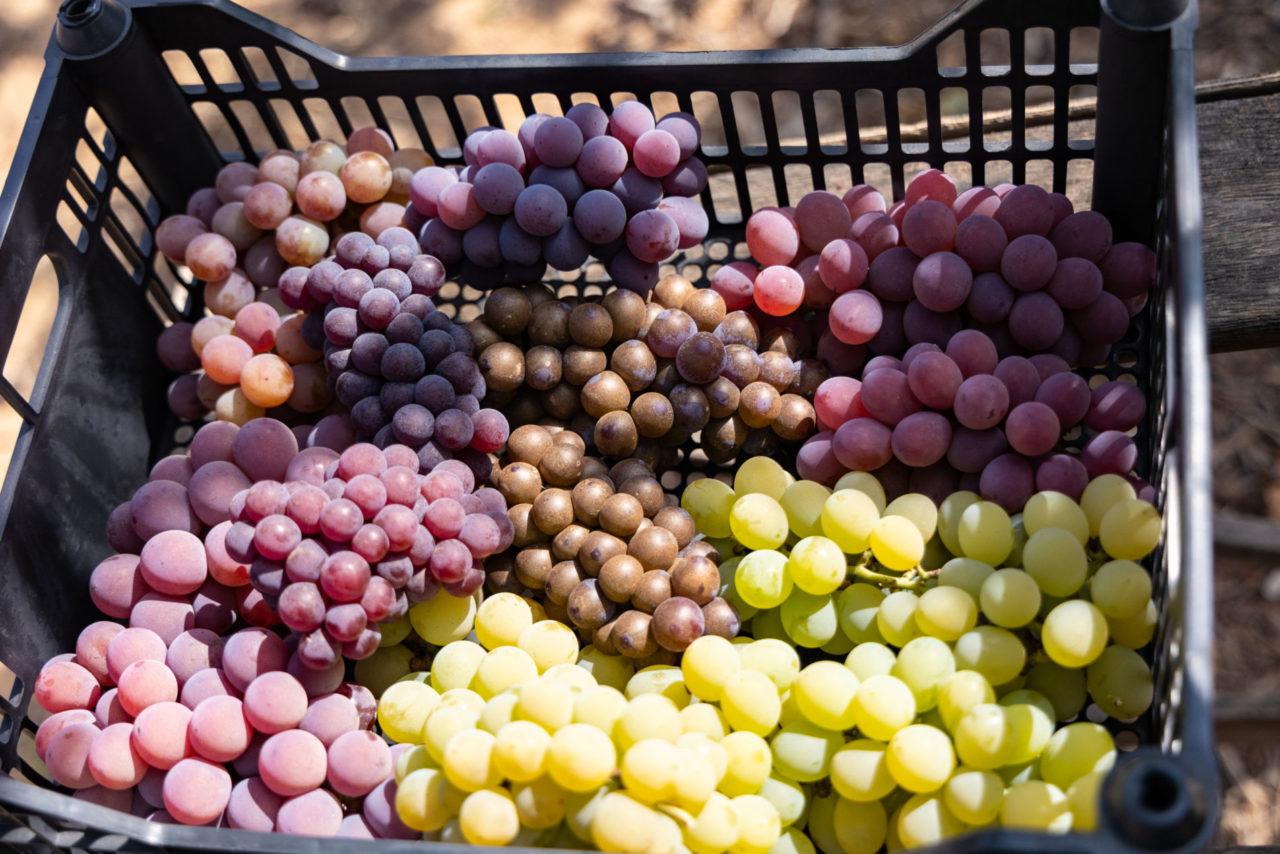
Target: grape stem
x: 909, y: 580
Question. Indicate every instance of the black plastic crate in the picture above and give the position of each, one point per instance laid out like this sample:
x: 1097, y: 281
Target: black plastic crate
x: 100, y: 164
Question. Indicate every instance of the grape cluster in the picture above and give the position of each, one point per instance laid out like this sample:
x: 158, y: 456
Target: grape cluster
x: 962, y: 418
x: 641, y: 379
x: 615, y: 186
x: 403, y: 368
x: 1014, y: 262
x: 238, y: 236
x: 605, y: 551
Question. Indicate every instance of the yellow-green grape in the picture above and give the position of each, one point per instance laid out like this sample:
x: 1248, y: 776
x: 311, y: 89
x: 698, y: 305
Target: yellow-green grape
x: 1056, y: 560
x: 388, y: 664
x: 572, y: 676
x: 1101, y: 495
x: 520, y: 751
x: 985, y: 533
x: 708, y: 746
x: 498, y: 712
x: 709, y: 502
x: 848, y: 518
x: 923, y: 665
x: 1120, y: 683
x: 1064, y: 688
x: 705, y: 719
x: 946, y: 613
x: 949, y: 513
x: 896, y: 543
x: 1082, y: 798
x: 870, y: 659
x: 455, y: 665
x: 762, y: 475
x: 501, y: 618
x: 803, y: 501
x: 649, y: 769
x: 1036, y: 805
x: 622, y: 823
x: 1120, y: 589
x: 966, y: 573
x: 468, y: 761
x: 611, y: 670
x: 1051, y: 509
x: 1030, y: 716
x: 788, y: 797
x: 1075, y: 750
x: 647, y: 716
x: 858, y: 607
x: 793, y: 841
x: 1075, y: 633
x: 821, y: 826
x: 502, y: 668
x: 983, y: 737
x: 489, y: 817
x: 443, y: 618
x: 882, y: 706
x: 421, y: 800
x: 767, y: 625
x: 750, y: 702
x: 464, y: 698
x: 839, y: 644
x: 415, y: 758
x: 547, y: 703
x: 973, y: 795
x: 600, y: 707
x: 395, y: 630
x: 1137, y: 631
x: 1010, y: 598
x: 758, y: 521
x: 918, y: 509
x: 1130, y: 530
x: 776, y: 659
x: 403, y: 709
x: 896, y: 618
x: 707, y: 663
x: 762, y: 579
x: 860, y: 771
x: 665, y: 679
x: 817, y: 565
x: 959, y: 693
x: 866, y: 483
x: 802, y: 751
x: 809, y: 620
x: 758, y: 824
x: 926, y: 820
x: 547, y: 642
x: 824, y: 694
x: 580, y: 809
x: 714, y: 828
x: 920, y: 758
x: 540, y: 804
x: 994, y: 652
x: 443, y: 724
x: 580, y: 757
x: 859, y: 828
x: 750, y: 763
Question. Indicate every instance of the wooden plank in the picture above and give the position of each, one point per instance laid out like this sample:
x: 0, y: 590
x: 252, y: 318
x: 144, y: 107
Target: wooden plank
x: 1246, y: 534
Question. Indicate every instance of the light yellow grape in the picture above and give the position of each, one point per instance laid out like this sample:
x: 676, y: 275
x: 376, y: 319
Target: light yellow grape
x: 810, y: 621
x: 403, y: 709
x: 750, y: 702
x: 709, y: 501
x: 502, y: 668
x: 896, y: 617
x: 758, y: 825
x: 580, y: 809
x: 601, y: 707
x: 758, y: 521
x: 858, y: 607
x: 870, y: 659
x: 1119, y: 681
x: 959, y: 693
x: 468, y: 760
x: 1083, y: 798
x: 1036, y: 805
x: 1051, y: 509
x: 1010, y: 598
x: 649, y: 770
x: 762, y: 475
x: 762, y: 579
x: 1120, y: 589
x: 926, y: 820
x: 1065, y: 688
x: 1056, y: 560
x: 920, y: 758
x: 1137, y: 631
x: 918, y: 509
x: 548, y: 643
x: 443, y: 618
x: 622, y: 823
x: 946, y: 613
x: 750, y: 762
x: 803, y: 501
x: 715, y: 827
x: 994, y: 652
x: 793, y: 841
x: 420, y: 800
x: 455, y: 665
x: 848, y: 518
x: 985, y: 533
x: 547, y: 703
x: 923, y: 665
x: 647, y: 716
x: 983, y: 737
x: 1100, y: 495
x: 966, y: 573
x: 859, y: 828
x: 1074, y: 634
x: 501, y: 618
x: 824, y: 693
x: 802, y: 751
x: 540, y: 803
x: 1130, y: 530
x: 1075, y: 750
x: 817, y: 565
x: 443, y: 724
x: 665, y: 679
x: 860, y: 770
x: 413, y: 759
x: 612, y: 670
x: 707, y: 663
x: 520, y: 751
x: 573, y: 676
x: 949, y: 513
x: 896, y: 543
x: 788, y: 797
x: 489, y: 817
x: 974, y: 796
x: 882, y: 706
x: 580, y: 757
x: 1031, y: 717
x: 866, y: 483
x: 774, y: 658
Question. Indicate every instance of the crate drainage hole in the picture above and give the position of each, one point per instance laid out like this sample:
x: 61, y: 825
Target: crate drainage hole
x: 77, y: 12
x: 1159, y: 791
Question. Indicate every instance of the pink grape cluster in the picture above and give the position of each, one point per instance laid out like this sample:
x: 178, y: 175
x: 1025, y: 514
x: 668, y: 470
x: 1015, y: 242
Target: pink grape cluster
x: 211, y: 729
x: 939, y: 420
x: 1014, y: 262
x: 404, y: 369
x: 618, y: 186
x: 238, y: 236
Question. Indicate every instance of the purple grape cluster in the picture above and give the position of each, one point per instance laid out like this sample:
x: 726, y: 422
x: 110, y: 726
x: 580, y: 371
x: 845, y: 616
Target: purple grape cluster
x: 404, y: 369
x: 618, y: 186
x: 339, y: 542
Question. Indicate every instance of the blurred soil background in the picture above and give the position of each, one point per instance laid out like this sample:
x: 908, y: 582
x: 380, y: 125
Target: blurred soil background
x: 1237, y: 38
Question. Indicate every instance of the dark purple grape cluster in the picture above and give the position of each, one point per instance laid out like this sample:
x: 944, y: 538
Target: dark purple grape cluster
x: 404, y: 369
x: 618, y: 186
x: 336, y: 543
